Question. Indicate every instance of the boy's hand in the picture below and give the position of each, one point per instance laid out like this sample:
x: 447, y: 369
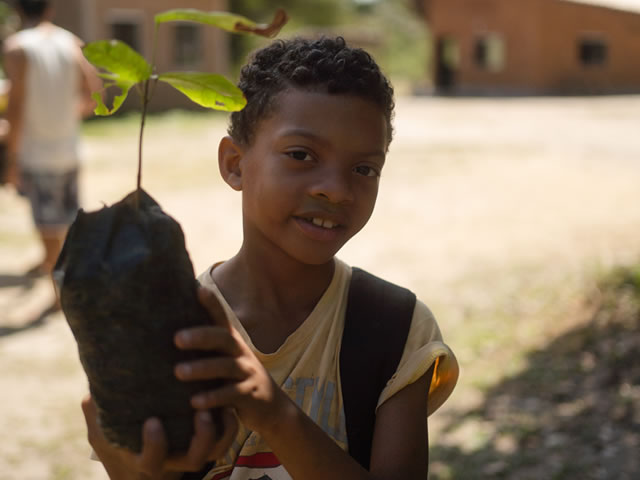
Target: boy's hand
x: 153, y: 462
x: 248, y: 386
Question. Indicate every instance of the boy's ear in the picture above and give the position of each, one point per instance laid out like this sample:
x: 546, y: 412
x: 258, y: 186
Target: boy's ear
x: 229, y: 156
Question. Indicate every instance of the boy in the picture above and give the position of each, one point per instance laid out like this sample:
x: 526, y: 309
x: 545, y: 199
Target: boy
x: 306, y: 153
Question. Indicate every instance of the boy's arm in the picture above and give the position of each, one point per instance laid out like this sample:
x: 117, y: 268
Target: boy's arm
x: 304, y: 449
x: 401, y: 442
x: 400, y: 446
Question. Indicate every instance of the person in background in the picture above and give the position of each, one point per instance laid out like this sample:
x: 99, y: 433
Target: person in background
x: 51, y: 84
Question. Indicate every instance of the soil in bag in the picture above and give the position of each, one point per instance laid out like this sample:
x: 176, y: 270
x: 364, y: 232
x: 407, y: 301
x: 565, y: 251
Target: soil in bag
x: 126, y: 285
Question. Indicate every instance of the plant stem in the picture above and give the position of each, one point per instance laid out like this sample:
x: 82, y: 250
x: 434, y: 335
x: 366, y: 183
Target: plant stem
x: 145, y: 101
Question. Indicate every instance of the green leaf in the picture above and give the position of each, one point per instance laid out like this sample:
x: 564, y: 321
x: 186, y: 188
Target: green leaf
x: 118, y: 58
x: 125, y: 68
x: 101, y: 109
x: 226, y: 21
x: 208, y: 90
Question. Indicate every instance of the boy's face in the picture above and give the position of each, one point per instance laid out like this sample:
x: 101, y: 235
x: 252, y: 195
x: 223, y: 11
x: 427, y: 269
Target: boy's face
x: 310, y: 178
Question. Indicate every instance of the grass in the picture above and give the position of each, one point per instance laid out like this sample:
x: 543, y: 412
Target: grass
x: 572, y: 411
x: 189, y: 162
x: 177, y: 121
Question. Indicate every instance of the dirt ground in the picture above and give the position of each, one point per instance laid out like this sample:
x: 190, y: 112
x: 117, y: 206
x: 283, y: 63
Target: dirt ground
x: 496, y: 212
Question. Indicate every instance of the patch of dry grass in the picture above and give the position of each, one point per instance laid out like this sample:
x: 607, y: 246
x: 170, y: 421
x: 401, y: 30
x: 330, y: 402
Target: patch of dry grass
x: 573, y: 408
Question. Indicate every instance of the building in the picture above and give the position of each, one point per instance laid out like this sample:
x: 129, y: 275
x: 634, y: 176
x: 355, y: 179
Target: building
x: 181, y: 46
x: 534, y: 46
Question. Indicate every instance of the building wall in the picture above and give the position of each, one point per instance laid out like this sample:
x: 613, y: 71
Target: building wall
x: 566, y: 24
x: 469, y: 20
x: 68, y: 14
x: 94, y: 20
x: 541, y: 45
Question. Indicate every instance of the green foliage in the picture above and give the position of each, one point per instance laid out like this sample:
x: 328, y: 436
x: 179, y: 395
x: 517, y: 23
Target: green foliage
x: 403, y: 49
x: 125, y: 68
x: 392, y: 31
x: 207, y: 90
x: 223, y: 20
x: 303, y: 15
x: 310, y: 12
x: 5, y: 12
x: 126, y: 64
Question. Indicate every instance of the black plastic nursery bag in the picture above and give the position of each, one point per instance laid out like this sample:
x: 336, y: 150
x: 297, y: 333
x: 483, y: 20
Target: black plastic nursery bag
x: 126, y: 285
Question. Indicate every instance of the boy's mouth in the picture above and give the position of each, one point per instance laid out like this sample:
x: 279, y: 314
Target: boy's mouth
x: 319, y: 222
x: 320, y: 229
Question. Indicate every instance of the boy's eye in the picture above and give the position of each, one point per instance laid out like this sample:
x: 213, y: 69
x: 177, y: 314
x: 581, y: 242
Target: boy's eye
x: 366, y: 171
x: 300, y: 155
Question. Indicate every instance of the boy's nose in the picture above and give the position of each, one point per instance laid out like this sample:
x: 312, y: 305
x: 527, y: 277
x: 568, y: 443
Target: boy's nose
x: 334, y: 187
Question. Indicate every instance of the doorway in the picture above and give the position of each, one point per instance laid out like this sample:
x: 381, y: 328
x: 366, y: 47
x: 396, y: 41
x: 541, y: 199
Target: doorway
x: 447, y: 63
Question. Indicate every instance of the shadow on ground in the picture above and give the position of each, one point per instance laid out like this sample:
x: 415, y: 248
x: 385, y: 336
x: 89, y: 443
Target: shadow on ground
x: 9, y: 281
x: 35, y: 321
x: 23, y: 284
x: 574, y: 412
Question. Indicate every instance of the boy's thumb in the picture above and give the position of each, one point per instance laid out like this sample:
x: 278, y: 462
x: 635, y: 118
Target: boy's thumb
x: 213, y: 306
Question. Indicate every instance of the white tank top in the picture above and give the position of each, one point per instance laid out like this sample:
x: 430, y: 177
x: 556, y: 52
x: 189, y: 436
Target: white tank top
x: 51, y: 120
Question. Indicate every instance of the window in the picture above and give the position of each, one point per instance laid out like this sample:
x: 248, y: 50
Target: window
x: 126, y: 32
x: 187, y: 45
x: 592, y: 51
x: 489, y: 52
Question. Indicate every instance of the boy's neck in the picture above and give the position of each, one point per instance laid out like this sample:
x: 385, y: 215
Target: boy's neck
x: 276, y: 279
x: 271, y: 291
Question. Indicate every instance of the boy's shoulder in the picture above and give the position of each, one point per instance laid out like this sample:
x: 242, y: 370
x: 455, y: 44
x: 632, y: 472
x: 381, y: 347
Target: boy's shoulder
x: 386, y: 292
x: 377, y: 319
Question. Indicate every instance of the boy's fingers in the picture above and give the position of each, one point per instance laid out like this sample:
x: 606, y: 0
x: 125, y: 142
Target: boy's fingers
x: 94, y: 432
x: 154, y: 447
x: 226, y: 368
x: 210, y: 302
x: 91, y: 419
x: 204, y: 438
x: 230, y: 429
x: 200, y: 446
x: 207, y: 338
x: 224, y: 396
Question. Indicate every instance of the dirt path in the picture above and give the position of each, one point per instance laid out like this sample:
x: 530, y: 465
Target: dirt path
x: 481, y: 199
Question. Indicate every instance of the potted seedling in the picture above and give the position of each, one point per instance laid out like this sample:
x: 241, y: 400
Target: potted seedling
x: 124, y: 278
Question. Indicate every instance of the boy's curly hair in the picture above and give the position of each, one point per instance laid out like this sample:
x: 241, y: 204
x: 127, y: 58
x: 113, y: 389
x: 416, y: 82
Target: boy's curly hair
x: 324, y: 65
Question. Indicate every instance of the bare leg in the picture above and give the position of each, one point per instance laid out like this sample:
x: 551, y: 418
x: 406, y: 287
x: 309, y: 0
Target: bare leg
x: 52, y: 240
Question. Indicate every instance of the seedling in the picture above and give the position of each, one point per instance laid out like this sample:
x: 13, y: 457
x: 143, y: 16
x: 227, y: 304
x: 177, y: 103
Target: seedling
x: 125, y: 280
x: 126, y: 68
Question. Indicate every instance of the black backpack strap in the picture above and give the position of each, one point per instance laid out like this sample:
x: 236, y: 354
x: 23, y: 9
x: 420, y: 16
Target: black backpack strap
x: 376, y: 328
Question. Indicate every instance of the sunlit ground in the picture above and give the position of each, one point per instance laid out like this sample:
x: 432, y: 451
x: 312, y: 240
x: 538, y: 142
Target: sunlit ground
x: 500, y: 214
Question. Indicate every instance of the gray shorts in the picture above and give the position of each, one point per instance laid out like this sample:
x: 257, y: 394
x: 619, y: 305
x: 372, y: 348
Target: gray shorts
x: 53, y: 197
